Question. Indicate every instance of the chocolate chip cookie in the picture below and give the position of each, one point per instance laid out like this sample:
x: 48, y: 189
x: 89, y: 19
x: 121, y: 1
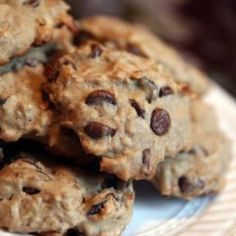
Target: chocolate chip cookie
x: 26, y: 23
x: 125, y: 109
x: 50, y: 198
x: 30, y: 33
x: 200, y: 170
x: 23, y: 110
x: 140, y: 41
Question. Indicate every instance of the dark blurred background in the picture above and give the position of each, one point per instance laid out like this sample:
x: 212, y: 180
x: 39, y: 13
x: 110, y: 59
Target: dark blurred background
x: 204, y: 31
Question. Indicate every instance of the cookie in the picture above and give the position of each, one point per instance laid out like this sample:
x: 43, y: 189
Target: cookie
x: 140, y: 41
x: 23, y: 110
x: 50, y: 198
x: 201, y: 170
x: 125, y: 109
x: 26, y: 23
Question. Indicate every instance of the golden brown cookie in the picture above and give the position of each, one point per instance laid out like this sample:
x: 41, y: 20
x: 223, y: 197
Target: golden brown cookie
x: 125, y: 109
x: 23, y: 110
x: 41, y: 197
x: 200, y: 170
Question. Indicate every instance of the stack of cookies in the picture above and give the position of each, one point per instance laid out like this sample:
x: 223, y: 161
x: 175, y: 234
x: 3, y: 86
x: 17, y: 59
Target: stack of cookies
x: 88, y: 107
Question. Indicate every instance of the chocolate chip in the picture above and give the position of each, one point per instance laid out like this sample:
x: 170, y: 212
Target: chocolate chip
x: 160, y: 121
x: 30, y: 190
x: 165, y: 91
x: 140, y: 112
x: 182, y: 152
x: 73, y: 232
x: 3, y: 101
x: 98, y: 130
x: 59, y: 25
x: 82, y: 36
x: 68, y: 62
x: 33, y: 3
x: 52, y: 67
x: 146, y: 157
x: 134, y: 49
x: 99, y: 96
x: 96, y: 209
x: 96, y: 51
x: 192, y: 152
x: 188, y: 185
x: 150, y: 88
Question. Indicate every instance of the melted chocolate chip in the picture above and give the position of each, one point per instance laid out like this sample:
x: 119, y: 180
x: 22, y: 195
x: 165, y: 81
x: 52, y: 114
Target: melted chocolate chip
x: 134, y: 49
x: 146, y: 157
x: 3, y: 101
x: 160, y: 121
x: 30, y: 190
x: 96, y: 130
x: 150, y: 88
x: 96, y: 209
x: 52, y: 67
x: 33, y: 3
x: 187, y: 185
x: 82, y: 36
x: 165, y: 91
x: 99, y: 96
x: 96, y: 51
x: 140, y: 112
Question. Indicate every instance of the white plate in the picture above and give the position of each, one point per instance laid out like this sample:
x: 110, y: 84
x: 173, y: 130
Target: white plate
x: 208, y: 216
